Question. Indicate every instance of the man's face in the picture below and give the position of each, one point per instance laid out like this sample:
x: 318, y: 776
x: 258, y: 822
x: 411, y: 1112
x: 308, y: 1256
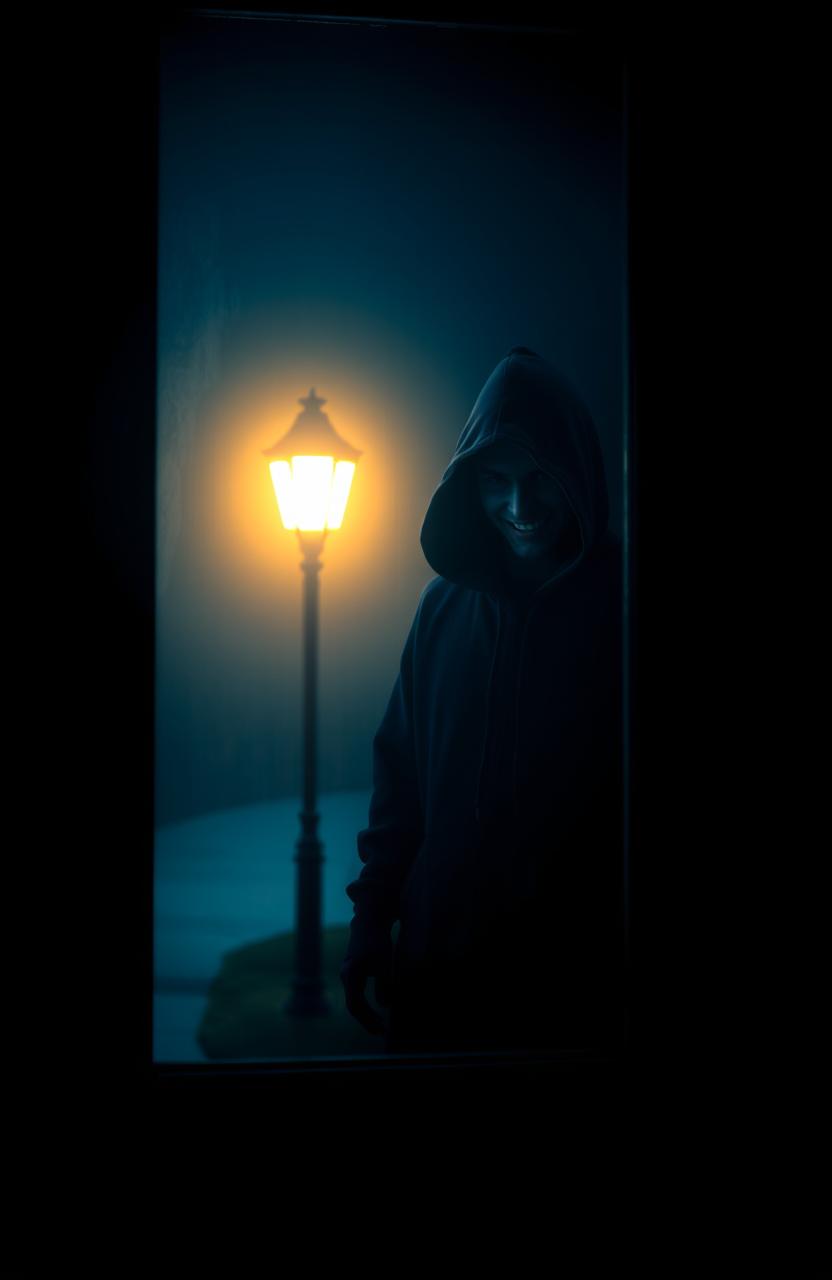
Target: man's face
x: 526, y: 505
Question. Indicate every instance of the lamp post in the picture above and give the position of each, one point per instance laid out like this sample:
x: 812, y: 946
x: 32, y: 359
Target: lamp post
x: 312, y: 468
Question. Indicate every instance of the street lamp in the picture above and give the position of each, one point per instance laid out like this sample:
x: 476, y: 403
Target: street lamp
x: 312, y: 468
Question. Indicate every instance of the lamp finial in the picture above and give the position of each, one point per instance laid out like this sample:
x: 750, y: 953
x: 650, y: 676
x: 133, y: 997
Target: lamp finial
x: 312, y: 402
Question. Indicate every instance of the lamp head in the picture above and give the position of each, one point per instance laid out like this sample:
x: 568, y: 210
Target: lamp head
x: 312, y: 467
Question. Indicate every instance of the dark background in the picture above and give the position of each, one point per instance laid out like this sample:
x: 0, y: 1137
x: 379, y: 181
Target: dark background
x: 381, y: 212
x: 101, y: 603
x: 708, y: 132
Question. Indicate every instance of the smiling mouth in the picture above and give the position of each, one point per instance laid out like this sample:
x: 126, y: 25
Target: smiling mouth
x: 527, y: 528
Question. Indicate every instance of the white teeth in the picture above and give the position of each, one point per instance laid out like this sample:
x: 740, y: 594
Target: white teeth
x: 525, y: 528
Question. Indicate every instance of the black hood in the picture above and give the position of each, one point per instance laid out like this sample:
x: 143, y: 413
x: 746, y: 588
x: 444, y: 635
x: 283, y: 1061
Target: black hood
x: 525, y: 400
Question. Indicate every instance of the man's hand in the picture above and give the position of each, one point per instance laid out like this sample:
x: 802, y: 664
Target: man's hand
x: 354, y: 972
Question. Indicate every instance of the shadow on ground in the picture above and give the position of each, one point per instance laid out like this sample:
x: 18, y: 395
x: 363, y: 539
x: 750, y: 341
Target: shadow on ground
x: 244, y: 1016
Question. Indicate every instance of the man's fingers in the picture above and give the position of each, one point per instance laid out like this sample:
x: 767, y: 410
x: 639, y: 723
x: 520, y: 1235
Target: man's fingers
x: 358, y: 1005
x: 367, y: 1016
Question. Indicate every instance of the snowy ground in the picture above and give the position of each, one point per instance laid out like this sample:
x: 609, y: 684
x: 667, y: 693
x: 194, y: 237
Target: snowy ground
x: 226, y: 879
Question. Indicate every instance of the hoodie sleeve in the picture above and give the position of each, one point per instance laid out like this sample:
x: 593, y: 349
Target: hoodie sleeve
x: 391, y: 840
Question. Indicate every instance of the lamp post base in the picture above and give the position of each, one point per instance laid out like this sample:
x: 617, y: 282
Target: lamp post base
x: 308, y: 996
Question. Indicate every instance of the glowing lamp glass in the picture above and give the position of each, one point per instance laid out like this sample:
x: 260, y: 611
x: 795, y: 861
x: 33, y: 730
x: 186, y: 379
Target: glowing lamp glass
x: 311, y: 492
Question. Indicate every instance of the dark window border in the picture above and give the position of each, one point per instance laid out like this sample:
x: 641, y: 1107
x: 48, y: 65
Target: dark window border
x: 117, y: 233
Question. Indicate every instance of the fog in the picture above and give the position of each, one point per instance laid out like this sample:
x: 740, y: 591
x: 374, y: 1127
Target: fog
x: 380, y: 213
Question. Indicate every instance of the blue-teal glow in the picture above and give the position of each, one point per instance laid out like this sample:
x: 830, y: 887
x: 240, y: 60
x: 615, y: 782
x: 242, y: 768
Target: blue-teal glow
x: 379, y: 213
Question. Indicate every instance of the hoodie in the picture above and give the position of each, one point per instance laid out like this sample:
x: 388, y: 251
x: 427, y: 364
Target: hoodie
x: 494, y: 835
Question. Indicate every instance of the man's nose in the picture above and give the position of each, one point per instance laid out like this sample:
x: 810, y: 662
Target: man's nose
x: 519, y: 501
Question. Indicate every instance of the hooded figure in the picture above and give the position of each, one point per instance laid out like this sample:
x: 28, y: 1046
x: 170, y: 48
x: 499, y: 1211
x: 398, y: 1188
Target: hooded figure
x: 495, y: 824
